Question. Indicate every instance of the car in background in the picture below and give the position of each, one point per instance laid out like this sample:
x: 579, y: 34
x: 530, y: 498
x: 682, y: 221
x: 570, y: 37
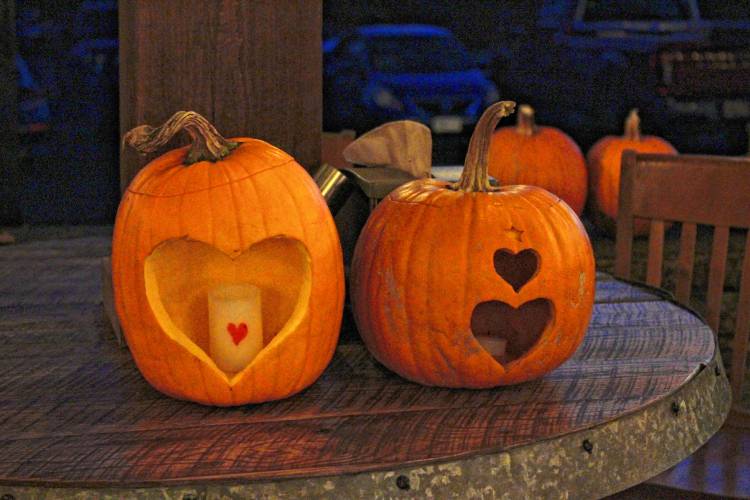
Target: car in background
x: 380, y: 73
x: 590, y: 61
x: 33, y: 108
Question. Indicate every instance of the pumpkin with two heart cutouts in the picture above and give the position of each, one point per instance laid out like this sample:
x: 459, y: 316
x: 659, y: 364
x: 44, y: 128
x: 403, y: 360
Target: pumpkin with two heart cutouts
x: 470, y: 285
x: 237, y: 211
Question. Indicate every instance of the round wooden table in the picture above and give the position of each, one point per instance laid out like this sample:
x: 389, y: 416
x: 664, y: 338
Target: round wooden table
x: 645, y: 389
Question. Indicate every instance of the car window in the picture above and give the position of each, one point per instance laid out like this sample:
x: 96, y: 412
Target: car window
x: 635, y: 10
x: 417, y: 54
x: 735, y: 10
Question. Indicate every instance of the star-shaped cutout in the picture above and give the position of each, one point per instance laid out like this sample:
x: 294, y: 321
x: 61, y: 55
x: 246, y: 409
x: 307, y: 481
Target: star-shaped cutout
x: 514, y: 233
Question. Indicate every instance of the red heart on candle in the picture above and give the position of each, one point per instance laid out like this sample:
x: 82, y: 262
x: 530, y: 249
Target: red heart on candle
x: 238, y: 332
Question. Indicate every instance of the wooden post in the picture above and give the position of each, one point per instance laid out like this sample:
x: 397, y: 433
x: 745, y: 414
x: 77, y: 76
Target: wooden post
x: 252, y: 67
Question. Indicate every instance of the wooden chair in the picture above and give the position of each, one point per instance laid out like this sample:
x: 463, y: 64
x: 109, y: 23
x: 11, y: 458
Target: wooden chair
x: 696, y: 190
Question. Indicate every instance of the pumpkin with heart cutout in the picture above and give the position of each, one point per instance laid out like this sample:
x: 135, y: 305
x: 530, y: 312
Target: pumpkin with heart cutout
x: 237, y: 211
x: 470, y: 285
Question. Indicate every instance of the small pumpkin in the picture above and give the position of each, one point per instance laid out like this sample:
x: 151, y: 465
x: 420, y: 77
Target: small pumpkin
x: 539, y: 156
x: 470, y: 285
x: 237, y: 211
x: 604, y: 170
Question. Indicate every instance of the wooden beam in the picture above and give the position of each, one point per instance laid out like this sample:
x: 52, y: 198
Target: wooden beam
x: 252, y: 67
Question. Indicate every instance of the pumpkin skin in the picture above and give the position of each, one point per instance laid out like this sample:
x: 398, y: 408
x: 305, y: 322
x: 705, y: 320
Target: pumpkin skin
x: 256, y: 205
x: 424, y: 264
x: 604, y: 160
x: 539, y: 156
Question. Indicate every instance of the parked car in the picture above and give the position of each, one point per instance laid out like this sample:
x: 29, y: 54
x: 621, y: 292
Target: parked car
x: 33, y: 108
x: 380, y: 73
x: 590, y: 61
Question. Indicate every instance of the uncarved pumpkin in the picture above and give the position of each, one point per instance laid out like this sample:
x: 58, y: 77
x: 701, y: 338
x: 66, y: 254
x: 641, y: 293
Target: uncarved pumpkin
x: 218, y: 211
x: 442, y: 272
x: 604, y: 159
x: 539, y: 156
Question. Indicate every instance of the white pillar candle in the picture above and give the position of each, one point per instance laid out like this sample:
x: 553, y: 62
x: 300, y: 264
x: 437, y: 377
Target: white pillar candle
x: 494, y: 345
x: 235, y: 325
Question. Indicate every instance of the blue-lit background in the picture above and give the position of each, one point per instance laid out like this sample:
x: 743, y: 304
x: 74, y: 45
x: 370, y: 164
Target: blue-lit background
x: 581, y: 64
x: 68, y: 111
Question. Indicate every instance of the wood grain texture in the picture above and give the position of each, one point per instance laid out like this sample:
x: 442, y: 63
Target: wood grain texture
x: 252, y: 68
x: 77, y: 412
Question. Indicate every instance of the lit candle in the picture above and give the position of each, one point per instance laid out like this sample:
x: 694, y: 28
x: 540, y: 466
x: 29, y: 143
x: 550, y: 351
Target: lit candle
x: 235, y: 325
x: 496, y: 346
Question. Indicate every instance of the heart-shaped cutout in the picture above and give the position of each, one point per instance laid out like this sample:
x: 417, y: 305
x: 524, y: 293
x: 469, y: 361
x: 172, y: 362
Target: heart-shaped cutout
x: 516, y: 269
x: 508, y: 333
x: 179, y: 273
x: 238, y: 332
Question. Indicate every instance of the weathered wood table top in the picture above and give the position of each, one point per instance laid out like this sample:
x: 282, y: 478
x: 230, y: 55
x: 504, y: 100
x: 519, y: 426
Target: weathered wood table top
x: 644, y: 390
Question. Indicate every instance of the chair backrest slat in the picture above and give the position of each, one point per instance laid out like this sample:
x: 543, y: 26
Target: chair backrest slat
x: 625, y: 224
x: 655, y: 253
x: 742, y: 330
x: 685, y: 262
x: 716, y: 270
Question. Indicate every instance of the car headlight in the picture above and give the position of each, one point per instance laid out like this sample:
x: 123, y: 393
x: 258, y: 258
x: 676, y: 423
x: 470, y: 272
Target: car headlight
x: 384, y: 98
x: 491, y: 95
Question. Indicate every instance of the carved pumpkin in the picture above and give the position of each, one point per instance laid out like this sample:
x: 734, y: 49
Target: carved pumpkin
x: 604, y: 170
x: 240, y: 212
x: 469, y: 285
x: 539, y: 156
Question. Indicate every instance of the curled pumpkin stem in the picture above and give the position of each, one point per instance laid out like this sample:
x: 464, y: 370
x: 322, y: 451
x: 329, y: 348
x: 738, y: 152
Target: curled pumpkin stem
x: 207, y: 143
x: 474, y: 177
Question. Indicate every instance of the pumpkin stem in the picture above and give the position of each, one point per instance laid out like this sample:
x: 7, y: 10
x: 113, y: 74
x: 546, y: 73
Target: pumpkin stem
x: 208, y: 144
x: 474, y: 176
x: 526, y: 124
x: 633, y: 126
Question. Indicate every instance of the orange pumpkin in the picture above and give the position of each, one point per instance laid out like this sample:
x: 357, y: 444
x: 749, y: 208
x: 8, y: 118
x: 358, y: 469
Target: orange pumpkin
x: 604, y: 170
x: 237, y: 211
x: 539, y: 156
x: 469, y: 285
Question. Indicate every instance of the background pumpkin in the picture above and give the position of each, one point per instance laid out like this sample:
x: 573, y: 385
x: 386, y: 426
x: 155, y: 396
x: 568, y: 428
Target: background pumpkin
x: 439, y: 269
x: 539, y: 156
x: 241, y: 211
x: 604, y: 159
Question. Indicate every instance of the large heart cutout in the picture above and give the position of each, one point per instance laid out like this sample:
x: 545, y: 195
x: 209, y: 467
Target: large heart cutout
x: 180, y: 272
x: 516, y: 268
x: 494, y: 323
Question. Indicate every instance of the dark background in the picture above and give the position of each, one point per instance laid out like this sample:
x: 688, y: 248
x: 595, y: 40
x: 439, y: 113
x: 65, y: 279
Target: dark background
x: 68, y: 137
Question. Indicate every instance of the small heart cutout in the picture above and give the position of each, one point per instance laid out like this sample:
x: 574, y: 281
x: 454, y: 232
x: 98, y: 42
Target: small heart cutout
x: 238, y: 332
x: 516, y: 268
x: 494, y: 321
